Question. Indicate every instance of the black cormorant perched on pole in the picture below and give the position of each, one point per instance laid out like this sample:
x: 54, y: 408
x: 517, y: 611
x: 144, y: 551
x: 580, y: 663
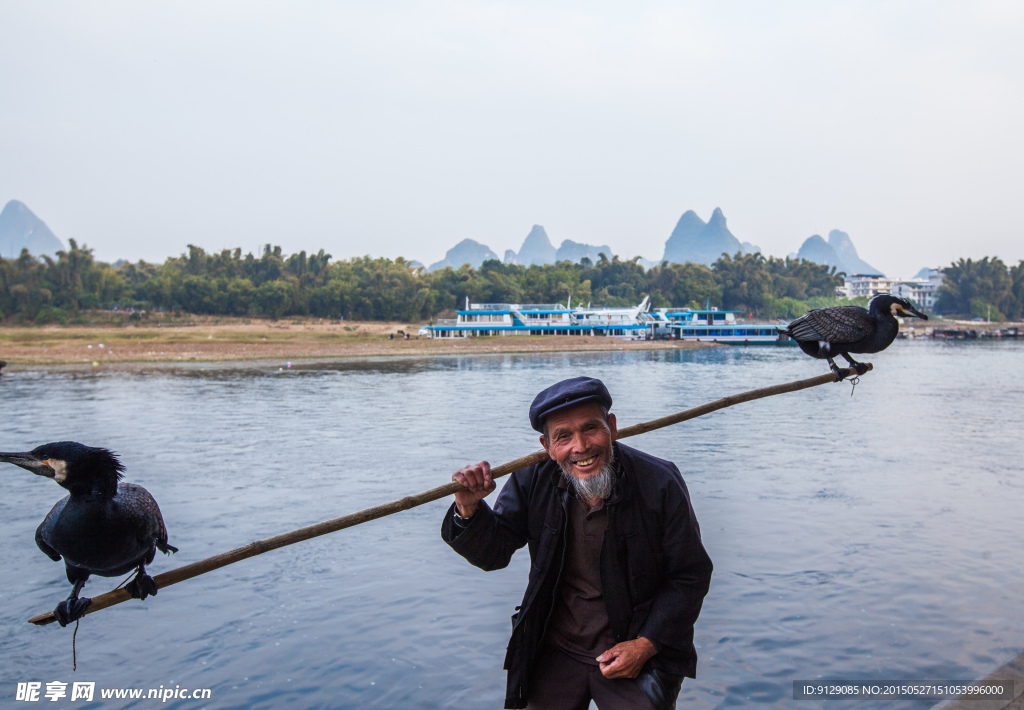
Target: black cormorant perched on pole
x: 105, y: 526
x: 825, y: 333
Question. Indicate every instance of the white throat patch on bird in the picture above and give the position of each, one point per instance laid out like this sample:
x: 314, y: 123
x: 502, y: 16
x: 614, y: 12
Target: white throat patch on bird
x: 60, y: 469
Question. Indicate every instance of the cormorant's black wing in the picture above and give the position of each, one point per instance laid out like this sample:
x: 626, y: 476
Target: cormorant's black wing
x: 839, y: 324
x: 142, y: 514
x: 45, y: 525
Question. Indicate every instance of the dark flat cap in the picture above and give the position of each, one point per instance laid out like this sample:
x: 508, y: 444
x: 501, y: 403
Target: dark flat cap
x: 567, y: 393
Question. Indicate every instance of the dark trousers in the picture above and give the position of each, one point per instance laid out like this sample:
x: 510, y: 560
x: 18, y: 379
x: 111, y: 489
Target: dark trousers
x: 560, y: 682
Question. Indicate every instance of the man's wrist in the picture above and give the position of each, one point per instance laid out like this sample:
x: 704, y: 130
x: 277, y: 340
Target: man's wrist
x: 464, y: 513
x: 652, y: 648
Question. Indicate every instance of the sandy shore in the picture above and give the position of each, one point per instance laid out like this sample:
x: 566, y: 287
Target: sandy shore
x: 263, y: 340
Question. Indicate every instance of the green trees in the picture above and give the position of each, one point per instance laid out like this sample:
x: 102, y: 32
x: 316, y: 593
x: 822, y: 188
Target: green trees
x: 982, y: 289
x: 274, y: 298
x: 364, y: 288
x: 1016, y: 312
x: 240, y: 295
x: 49, y: 290
x: 683, y: 285
x: 746, y: 282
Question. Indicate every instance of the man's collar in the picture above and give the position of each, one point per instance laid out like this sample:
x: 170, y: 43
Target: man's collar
x: 619, y: 487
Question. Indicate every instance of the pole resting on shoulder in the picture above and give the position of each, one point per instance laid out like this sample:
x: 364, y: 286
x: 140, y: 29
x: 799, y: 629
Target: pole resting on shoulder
x: 259, y: 547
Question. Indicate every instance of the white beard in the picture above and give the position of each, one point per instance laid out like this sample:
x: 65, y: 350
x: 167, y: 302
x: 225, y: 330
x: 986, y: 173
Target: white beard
x: 597, y: 486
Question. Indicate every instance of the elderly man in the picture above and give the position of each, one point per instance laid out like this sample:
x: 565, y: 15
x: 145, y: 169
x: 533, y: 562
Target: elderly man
x: 618, y: 570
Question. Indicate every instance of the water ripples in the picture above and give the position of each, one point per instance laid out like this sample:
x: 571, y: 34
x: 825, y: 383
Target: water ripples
x: 868, y: 537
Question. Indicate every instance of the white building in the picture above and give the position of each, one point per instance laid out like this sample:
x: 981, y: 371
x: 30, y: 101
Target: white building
x: 922, y: 292
x: 858, y: 285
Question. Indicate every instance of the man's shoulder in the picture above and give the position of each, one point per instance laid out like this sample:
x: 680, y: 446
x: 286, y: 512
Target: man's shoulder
x: 650, y: 474
x: 642, y: 460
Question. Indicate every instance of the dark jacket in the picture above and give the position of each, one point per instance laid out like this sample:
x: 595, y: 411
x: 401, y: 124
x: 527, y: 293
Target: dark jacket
x: 654, y: 569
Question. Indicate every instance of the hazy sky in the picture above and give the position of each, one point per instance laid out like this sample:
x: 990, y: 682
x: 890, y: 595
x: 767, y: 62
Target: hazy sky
x: 400, y: 128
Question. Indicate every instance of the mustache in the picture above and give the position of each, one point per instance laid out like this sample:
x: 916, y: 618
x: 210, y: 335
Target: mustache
x: 583, y: 457
x: 591, y: 453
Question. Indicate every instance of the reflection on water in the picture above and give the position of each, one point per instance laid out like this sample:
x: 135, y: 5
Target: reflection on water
x: 868, y: 537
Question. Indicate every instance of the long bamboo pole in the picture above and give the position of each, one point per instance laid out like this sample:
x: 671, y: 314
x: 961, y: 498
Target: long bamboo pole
x: 259, y: 547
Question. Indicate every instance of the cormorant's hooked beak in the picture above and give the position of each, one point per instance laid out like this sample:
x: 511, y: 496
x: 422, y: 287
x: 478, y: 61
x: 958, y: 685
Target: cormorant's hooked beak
x: 911, y: 311
x: 29, y: 462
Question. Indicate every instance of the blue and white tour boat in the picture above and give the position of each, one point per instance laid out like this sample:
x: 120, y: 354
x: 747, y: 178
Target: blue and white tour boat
x: 633, y: 323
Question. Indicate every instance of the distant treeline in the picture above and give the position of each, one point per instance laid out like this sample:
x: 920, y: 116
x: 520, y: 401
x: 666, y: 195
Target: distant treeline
x: 46, y: 289
x: 983, y: 289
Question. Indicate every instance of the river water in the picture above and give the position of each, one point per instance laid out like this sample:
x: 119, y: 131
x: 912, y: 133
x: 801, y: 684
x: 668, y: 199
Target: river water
x: 870, y: 537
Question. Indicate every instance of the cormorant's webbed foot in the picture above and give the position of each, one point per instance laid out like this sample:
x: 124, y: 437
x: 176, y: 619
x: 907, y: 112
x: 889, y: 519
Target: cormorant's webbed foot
x: 73, y: 607
x: 141, y: 586
x: 840, y: 375
x: 860, y: 367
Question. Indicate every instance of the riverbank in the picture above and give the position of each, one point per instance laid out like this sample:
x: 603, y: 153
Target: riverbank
x: 262, y: 340
x: 915, y: 328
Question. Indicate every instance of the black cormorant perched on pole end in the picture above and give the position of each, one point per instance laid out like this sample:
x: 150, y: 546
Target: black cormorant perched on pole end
x: 105, y: 526
x: 825, y: 333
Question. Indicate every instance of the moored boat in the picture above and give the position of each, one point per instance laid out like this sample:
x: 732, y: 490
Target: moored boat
x: 633, y: 323
x: 499, y: 319
x: 713, y: 325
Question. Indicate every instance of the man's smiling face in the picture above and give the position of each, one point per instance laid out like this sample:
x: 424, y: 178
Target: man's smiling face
x: 579, y: 439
